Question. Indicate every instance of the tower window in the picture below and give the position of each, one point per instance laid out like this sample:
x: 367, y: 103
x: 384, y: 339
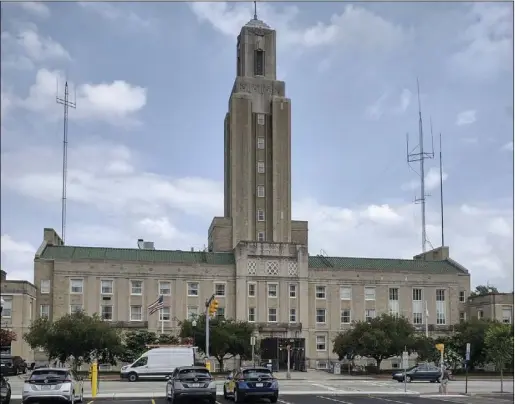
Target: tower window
x: 261, y: 167
x: 260, y: 142
x: 261, y: 236
x: 259, y: 63
x: 261, y: 191
x: 261, y: 215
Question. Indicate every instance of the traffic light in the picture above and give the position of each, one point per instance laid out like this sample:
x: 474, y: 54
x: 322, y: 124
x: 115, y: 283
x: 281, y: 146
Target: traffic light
x: 213, y: 307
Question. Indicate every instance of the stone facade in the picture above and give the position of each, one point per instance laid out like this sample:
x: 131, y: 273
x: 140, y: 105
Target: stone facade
x: 494, y: 306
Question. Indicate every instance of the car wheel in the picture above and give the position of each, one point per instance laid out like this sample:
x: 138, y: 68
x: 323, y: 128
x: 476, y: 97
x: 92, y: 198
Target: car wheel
x: 132, y: 377
x: 237, y: 396
x: 273, y: 399
x: 408, y: 379
x: 438, y: 380
x: 7, y: 399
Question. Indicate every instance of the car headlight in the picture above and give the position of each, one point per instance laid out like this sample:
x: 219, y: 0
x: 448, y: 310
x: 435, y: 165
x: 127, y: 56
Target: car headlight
x: 275, y: 385
x: 212, y: 385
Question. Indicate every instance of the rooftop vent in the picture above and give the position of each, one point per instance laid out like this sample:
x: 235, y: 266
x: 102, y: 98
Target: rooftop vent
x: 145, y: 245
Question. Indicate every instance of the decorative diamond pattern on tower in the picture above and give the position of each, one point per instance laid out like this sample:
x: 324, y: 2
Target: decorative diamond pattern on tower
x: 272, y: 268
x: 251, y: 267
x: 292, y: 268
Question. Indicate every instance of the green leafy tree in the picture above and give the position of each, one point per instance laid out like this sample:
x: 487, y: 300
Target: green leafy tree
x: 425, y: 347
x: 472, y: 331
x: 499, y: 346
x: 7, y: 337
x: 228, y: 338
x: 76, y: 337
x: 135, y: 343
x: 381, y: 338
x: 482, y: 290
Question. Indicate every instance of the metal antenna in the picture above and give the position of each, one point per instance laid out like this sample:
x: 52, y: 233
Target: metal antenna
x: 441, y: 191
x: 420, y: 156
x: 66, y: 104
x: 255, y: 10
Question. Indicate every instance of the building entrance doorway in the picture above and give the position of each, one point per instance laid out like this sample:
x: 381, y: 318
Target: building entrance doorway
x: 275, y: 349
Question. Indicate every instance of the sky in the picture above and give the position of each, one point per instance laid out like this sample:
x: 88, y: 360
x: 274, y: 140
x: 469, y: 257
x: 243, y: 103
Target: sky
x: 151, y: 83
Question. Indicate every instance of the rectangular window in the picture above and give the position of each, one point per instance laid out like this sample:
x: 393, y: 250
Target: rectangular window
x: 506, y: 315
x: 136, y: 287
x: 192, y: 289
x: 272, y: 315
x: 462, y: 296
x: 345, y: 316
x: 252, y: 289
x: 417, y: 318
x: 106, y: 311
x: 164, y: 314
x: 7, y: 310
x: 321, y: 343
x: 259, y: 62
x: 417, y: 308
x: 106, y: 286
x: 261, y: 143
x: 393, y: 301
x: 252, y: 315
x: 165, y: 288
x: 192, y: 312
x: 76, y: 286
x: 462, y: 316
x: 370, y: 314
x: 261, y: 191
x: 272, y: 290
x: 219, y: 289
x: 440, y: 307
x: 260, y: 215
x: 480, y: 314
x: 370, y: 293
x: 261, y: 167
x: 261, y: 119
x: 293, y: 290
x: 345, y: 293
x: 74, y: 308
x: 320, y: 292
x: 417, y: 295
x: 320, y: 316
x: 220, y: 313
x: 293, y: 315
x: 45, y: 287
x: 261, y: 236
x: 44, y: 310
x: 136, y: 313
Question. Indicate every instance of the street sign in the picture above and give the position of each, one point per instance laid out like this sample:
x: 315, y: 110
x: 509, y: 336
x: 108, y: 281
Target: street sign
x: 252, y: 341
x: 467, y: 352
x: 440, y: 347
x: 405, y: 362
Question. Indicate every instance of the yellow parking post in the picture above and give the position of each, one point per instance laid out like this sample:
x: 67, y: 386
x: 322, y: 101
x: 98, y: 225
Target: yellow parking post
x: 208, y: 365
x: 94, y: 378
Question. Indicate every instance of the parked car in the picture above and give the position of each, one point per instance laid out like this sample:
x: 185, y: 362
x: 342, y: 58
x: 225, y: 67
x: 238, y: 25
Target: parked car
x: 190, y: 382
x: 52, y: 384
x: 5, y: 390
x: 423, y: 372
x: 252, y: 382
x: 7, y: 366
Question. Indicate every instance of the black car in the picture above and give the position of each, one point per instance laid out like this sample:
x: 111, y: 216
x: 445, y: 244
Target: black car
x: 423, y: 372
x: 5, y: 390
x: 7, y: 367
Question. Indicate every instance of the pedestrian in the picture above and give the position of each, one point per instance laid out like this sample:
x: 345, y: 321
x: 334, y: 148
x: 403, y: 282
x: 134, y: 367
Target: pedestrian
x: 444, y: 381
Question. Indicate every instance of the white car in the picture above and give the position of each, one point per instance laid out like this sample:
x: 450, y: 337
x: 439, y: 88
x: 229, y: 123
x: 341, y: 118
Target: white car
x: 55, y: 384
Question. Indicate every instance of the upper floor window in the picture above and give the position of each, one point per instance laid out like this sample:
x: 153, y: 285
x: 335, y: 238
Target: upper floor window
x: 261, y: 215
x: 261, y: 236
x: 261, y: 191
x: 45, y: 286
x: 106, y: 286
x: 261, y: 166
x: 220, y: 289
x: 462, y: 296
x: 165, y: 288
x: 417, y: 295
x: 192, y: 289
x: 345, y: 293
x: 370, y: 293
x: 7, y: 306
x: 293, y: 290
x: 320, y: 292
x: 260, y: 142
x: 136, y: 287
x: 259, y: 63
x: 76, y: 285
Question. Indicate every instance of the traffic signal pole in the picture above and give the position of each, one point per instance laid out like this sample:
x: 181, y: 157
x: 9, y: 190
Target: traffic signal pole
x: 208, y: 304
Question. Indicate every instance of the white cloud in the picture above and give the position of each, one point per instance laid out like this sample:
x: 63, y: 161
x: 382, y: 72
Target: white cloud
x: 116, y: 14
x: 376, y: 110
x: 387, y: 104
x: 466, y: 117
x: 508, y: 147
x: 487, y: 43
x: 405, y: 101
x: 115, y: 102
x: 432, y: 180
x: 355, y: 28
x: 17, y: 258
x: 146, y: 205
x: 38, y: 9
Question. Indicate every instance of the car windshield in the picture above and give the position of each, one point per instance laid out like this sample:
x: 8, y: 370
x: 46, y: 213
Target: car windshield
x: 194, y: 373
x: 48, y: 374
x: 253, y: 373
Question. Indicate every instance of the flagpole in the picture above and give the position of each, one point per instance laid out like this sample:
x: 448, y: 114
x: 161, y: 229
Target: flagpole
x: 427, y: 319
x: 162, y: 320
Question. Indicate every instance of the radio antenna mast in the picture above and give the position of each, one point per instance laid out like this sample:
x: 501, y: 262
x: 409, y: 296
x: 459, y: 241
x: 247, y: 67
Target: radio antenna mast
x: 441, y: 190
x: 66, y: 104
x: 417, y: 154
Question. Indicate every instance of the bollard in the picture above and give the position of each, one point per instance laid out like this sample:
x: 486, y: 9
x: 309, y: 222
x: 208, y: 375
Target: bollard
x: 94, y: 378
x: 208, y: 365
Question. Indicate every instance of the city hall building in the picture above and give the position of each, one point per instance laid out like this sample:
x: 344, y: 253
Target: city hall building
x: 257, y: 261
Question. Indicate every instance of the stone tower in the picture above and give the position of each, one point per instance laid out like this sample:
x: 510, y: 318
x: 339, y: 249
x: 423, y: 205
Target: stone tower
x: 257, y: 144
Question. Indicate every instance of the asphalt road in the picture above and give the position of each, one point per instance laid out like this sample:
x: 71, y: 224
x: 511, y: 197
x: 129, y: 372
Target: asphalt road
x: 332, y: 399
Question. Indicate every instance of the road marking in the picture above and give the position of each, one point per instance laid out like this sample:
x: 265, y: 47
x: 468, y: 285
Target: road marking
x: 334, y: 399
x: 390, y: 400
x: 90, y: 402
x: 153, y: 401
x: 325, y: 387
x: 284, y: 402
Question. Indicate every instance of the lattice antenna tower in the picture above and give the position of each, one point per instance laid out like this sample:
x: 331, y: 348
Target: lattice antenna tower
x: 417, y: 154
x: 66, y: 103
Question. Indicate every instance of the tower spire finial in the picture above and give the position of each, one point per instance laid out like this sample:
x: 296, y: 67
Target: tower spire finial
x: 255, y: 10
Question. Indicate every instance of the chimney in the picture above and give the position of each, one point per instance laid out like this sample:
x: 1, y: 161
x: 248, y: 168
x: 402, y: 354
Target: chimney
x: 437, y: 254
x: 51, y: 237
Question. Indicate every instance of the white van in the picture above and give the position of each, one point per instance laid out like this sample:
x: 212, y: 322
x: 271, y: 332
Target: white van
x: 158, y: 363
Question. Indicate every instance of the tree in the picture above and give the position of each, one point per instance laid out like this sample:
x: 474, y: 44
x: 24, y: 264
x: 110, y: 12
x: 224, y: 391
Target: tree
x: 499, y: 346
x: 425, y: 347
x: 381, y: 338
x: 482, y: 290
x: 228, y: 338
x: 75, y: 336
x: 135, y: 343
x: 6, y: 337
x: 472, y: 331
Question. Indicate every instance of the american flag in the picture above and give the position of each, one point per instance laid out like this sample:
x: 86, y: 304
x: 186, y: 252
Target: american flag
x: 157, y: 305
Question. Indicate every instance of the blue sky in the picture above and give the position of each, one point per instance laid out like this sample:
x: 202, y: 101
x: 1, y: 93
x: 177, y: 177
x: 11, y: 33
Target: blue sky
x: 152, y: 81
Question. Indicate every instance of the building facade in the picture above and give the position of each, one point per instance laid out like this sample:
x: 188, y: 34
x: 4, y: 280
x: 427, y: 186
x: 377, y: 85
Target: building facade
x: 257, y: 263
x: 494, y: 306
x: 19, y: 302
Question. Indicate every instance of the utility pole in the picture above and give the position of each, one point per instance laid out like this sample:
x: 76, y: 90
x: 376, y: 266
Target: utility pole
x: 66, y: 104
x: 417, y: 154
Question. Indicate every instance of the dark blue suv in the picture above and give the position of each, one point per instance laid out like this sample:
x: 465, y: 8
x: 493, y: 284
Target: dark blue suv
x: 252, y: 382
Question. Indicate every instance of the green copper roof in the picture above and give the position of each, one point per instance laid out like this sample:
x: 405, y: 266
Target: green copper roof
x: 189, y: 257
